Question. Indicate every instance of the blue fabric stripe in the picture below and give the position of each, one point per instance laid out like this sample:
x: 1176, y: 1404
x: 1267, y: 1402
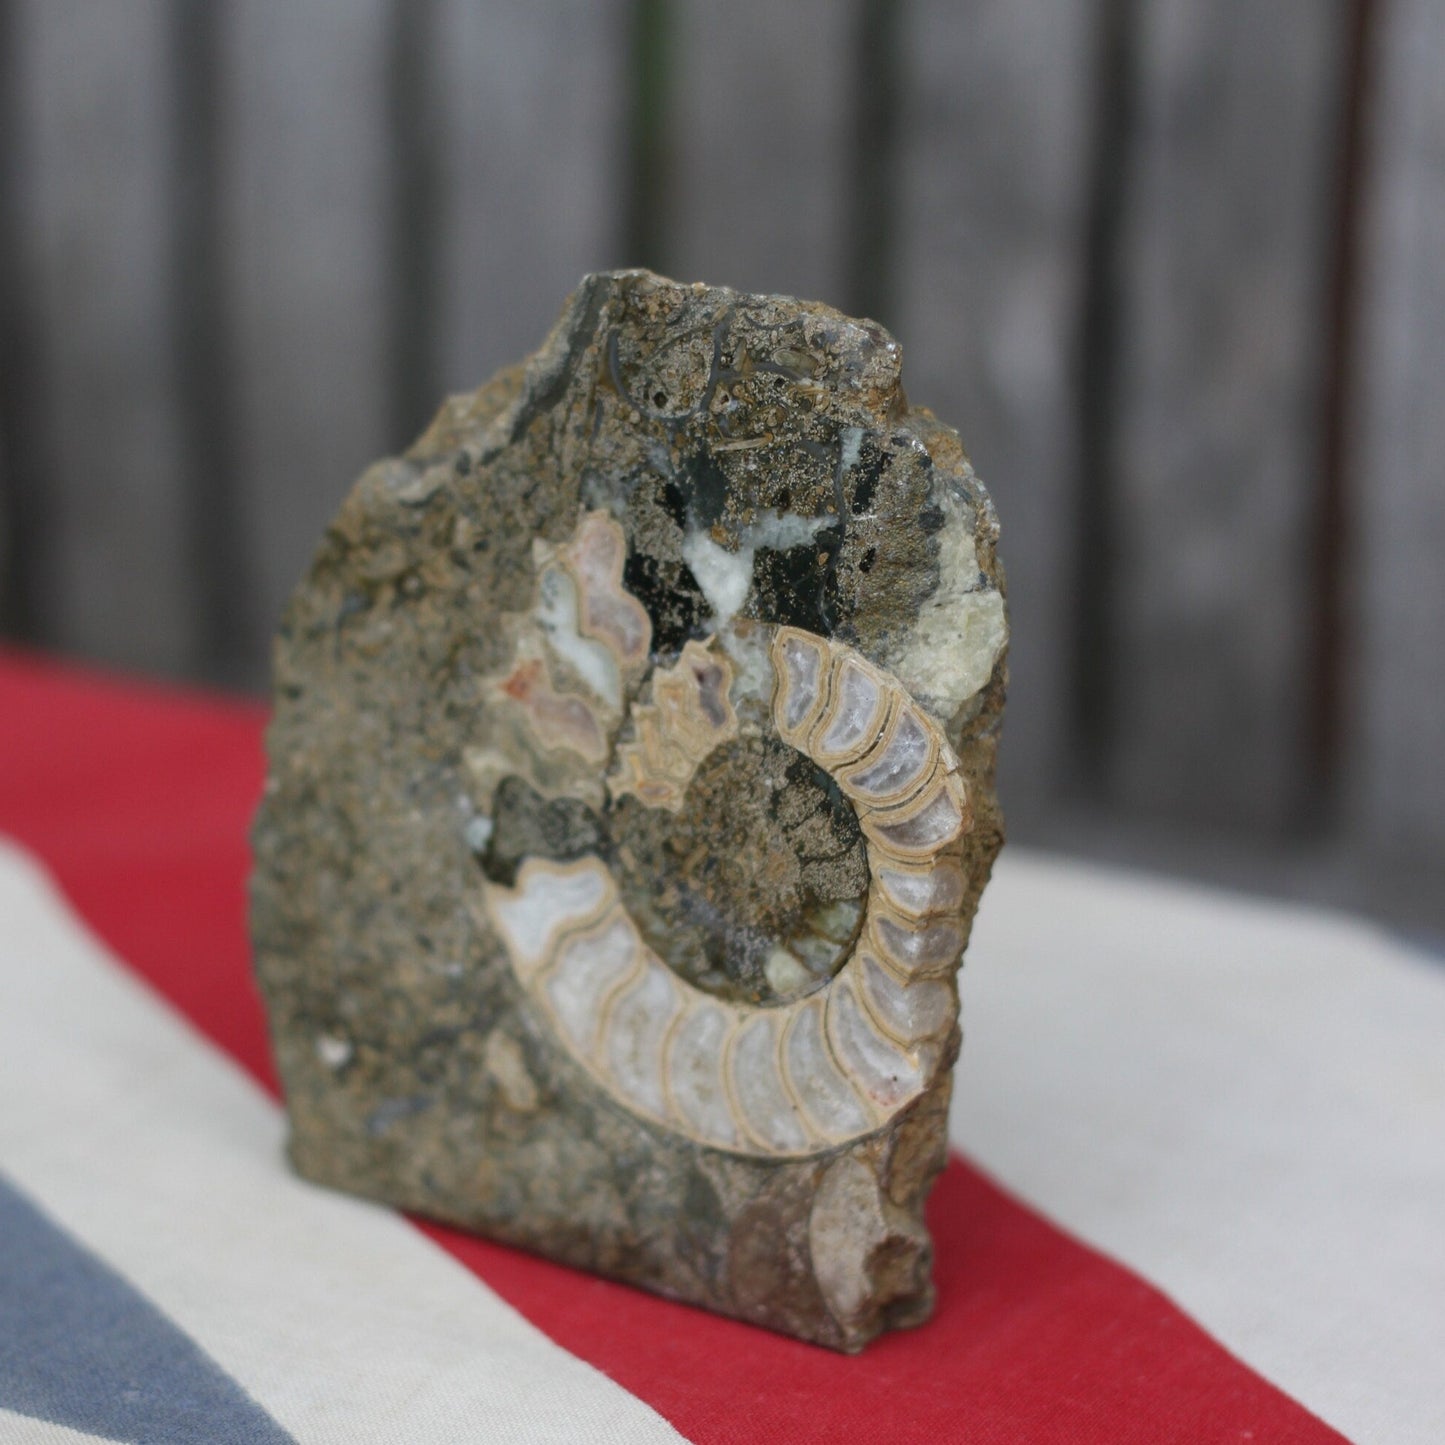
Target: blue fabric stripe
x: 81, y: 1348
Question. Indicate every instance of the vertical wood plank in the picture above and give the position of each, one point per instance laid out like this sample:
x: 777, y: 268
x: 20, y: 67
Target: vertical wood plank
x: 1227, y: 240
x: 762, y: 110
x: 306, y: 164
x: 647, y: 95
x: 876, y: 84
x: 997, y: 128
x: 24, y: 492
x: 530, y: 115
x: 414, y: 113
x: 1396, y: 547
x: 95, y: 95
x: 223, y: 604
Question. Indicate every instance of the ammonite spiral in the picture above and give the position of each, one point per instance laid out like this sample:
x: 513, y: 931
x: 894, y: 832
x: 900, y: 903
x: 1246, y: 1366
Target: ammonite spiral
x: 788, y: 1080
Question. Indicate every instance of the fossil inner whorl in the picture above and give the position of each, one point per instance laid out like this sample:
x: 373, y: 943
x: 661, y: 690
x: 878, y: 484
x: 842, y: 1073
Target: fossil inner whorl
x: 827, y: 1068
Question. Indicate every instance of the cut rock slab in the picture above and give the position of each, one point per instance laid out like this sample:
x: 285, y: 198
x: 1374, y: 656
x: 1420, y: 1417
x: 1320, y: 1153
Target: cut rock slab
x: 630, y: 796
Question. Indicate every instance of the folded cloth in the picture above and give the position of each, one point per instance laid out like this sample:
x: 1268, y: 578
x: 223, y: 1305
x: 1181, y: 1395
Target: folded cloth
x: 1198, y: 1196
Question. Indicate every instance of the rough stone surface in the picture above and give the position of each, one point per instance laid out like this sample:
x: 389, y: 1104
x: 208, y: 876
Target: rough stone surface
x: 631, y: 792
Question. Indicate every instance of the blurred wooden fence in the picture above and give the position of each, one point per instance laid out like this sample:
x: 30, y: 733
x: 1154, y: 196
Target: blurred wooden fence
x: 1176, y: 270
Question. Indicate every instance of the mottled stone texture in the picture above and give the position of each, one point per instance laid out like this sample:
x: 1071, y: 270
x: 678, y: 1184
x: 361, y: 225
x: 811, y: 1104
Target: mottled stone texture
x: 582, y: 920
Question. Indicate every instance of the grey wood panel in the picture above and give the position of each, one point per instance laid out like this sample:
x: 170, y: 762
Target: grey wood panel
x: 24, y: 492
x: 1396, y: 544
x: 530, y: 104
x: 997, y: 127
x: 762, y: 107
x: 94, y: 177
x: 1226, y: 241
x: 306, y: 162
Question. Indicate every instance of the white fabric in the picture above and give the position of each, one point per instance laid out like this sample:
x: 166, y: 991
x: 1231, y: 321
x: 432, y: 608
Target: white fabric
x: 1242, y: 1102
x: 282, y: 1284
x: 23, y: 1430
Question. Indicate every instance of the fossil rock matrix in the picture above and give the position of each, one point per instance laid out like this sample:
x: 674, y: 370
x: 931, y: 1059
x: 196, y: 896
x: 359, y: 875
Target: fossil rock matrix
x: 630, y: 795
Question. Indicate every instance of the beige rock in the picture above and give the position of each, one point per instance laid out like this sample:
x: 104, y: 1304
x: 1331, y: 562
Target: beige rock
x: 631, y: 794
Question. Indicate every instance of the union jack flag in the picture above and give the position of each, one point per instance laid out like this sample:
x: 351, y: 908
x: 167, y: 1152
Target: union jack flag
x: 1198, y: 1193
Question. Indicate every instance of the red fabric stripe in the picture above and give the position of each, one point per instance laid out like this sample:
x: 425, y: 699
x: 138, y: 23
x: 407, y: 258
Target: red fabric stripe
x: 139, y: 799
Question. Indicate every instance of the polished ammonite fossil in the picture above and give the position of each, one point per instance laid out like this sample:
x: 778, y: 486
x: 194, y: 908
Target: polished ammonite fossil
x: 631, y: 791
